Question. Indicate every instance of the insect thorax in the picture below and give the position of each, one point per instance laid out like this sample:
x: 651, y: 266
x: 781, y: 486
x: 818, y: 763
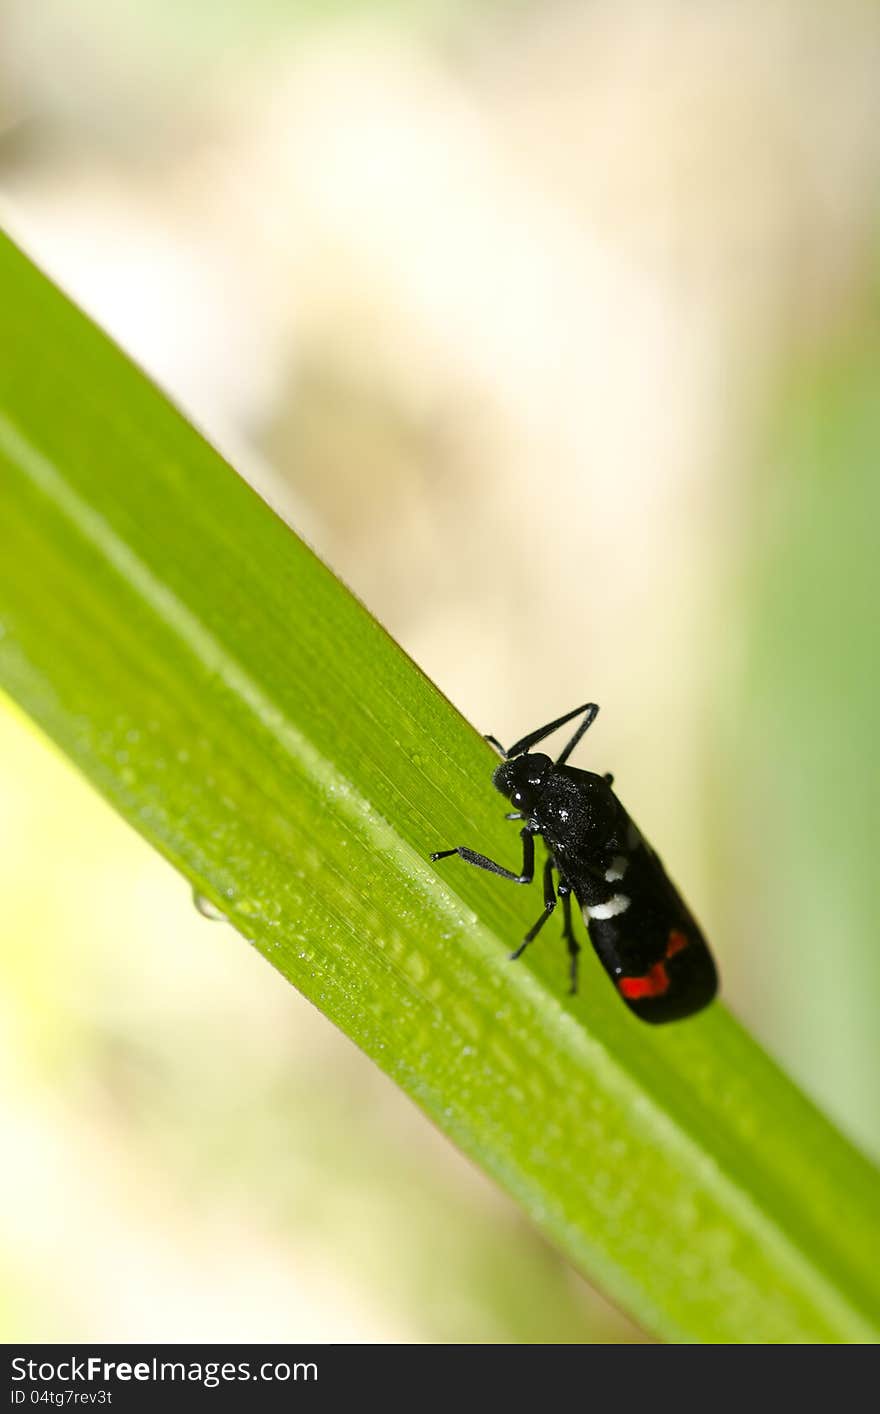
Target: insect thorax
x: 578, y: 815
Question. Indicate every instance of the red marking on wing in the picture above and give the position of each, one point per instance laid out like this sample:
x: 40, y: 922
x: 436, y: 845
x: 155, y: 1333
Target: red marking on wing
x: 653, y: 984
x: 676, y: 942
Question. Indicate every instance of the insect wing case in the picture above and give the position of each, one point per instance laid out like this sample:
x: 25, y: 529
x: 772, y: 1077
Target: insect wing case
x: 653, y: 950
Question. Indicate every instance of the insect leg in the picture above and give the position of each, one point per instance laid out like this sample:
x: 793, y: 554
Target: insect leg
x: 527, y: 742
x: 549, y: 905
x: 572, y: 943
x: 470, y: 856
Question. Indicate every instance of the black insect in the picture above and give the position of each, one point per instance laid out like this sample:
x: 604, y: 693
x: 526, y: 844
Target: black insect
x: 645, y: 936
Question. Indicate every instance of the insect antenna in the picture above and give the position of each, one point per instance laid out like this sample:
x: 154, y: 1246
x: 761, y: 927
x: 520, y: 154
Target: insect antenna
x: 591, y: 711
x: 527, y: 742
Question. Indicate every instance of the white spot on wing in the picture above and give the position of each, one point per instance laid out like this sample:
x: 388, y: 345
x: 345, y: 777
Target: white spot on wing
x: 617, y: 869
x: 618, y: 904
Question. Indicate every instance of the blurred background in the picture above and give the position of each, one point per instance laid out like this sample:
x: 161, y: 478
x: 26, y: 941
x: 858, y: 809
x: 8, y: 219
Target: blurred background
x: 554, y: 328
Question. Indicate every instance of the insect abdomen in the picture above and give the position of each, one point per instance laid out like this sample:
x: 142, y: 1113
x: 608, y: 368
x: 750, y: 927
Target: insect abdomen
x: 650, y: 945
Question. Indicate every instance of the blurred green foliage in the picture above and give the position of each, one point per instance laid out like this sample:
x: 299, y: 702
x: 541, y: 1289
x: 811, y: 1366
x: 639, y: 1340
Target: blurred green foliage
x: 809, y: 723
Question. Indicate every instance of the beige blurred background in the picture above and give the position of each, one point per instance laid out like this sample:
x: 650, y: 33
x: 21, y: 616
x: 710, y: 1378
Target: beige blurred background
x: 553, y: 327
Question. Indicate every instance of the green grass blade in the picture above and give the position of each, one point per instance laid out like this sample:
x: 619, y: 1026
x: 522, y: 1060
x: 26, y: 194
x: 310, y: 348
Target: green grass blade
x: 244, y: 712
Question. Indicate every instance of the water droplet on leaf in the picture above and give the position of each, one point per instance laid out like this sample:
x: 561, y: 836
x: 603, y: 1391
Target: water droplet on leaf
x: 208, y: 909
